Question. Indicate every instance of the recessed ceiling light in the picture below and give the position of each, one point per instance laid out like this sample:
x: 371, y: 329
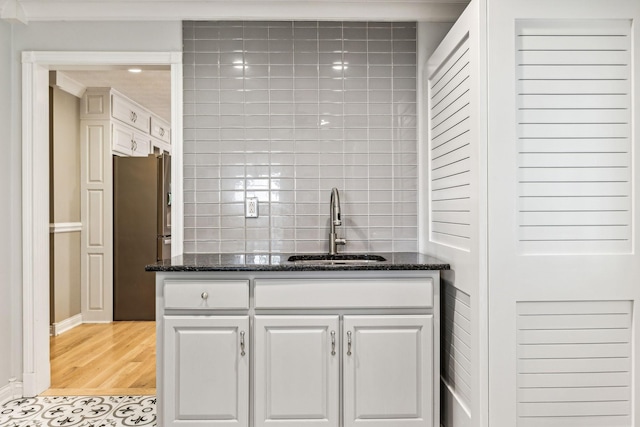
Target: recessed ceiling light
x: 135, y: 70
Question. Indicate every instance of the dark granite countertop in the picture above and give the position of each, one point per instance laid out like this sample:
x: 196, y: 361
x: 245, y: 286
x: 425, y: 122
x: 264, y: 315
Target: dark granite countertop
x: 279, y: 262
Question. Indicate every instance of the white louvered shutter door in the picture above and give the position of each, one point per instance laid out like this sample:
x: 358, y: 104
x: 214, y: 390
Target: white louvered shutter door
x: 574, y: 137
x: 563, y: 266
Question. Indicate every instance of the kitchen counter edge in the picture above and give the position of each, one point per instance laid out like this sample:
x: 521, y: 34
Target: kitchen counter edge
x: 395, y: 261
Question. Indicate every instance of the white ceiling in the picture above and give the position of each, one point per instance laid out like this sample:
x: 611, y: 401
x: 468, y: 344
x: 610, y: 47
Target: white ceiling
x: 150, y: 88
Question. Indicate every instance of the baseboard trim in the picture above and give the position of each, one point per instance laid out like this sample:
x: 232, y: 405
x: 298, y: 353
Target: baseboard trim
x: 13, y: 390
x: 66, y: 324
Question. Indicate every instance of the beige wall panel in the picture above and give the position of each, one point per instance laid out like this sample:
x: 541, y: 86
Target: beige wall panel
x: 66, y: 275
x: 66, y: 157
x: 65, y: 204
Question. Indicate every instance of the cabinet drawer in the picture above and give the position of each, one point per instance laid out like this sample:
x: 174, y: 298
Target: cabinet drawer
x: 344, y: 293
x: 130, y: 113
x: 160, y: 129
x: 206, y: 294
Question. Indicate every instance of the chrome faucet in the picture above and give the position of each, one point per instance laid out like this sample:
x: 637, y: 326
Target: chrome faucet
x: 334, y: 220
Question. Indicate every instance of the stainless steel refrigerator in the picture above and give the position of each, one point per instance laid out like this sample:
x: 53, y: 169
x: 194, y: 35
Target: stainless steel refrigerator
x: 141, y: 231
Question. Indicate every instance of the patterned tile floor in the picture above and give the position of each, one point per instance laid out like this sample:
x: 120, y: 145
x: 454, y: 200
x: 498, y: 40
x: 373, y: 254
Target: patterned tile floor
x: 79, y: 411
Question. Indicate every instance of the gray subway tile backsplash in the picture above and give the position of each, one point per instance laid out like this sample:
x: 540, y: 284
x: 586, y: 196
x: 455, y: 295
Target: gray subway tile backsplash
x: 283, y: 111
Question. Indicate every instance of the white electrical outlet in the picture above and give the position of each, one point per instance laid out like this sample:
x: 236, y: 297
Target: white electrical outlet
x: 251, y: 207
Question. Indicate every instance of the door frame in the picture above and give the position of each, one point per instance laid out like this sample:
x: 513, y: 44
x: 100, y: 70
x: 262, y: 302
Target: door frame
x: 36, y: 373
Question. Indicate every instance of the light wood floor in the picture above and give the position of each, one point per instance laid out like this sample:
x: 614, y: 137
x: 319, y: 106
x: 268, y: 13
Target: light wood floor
x: 118, y: 358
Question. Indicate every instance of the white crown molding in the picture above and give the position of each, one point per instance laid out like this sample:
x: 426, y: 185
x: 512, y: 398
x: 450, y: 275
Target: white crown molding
x: 12, y: 11
x: 65, y: 227
x: 172, y: 10
x: 66, y: 83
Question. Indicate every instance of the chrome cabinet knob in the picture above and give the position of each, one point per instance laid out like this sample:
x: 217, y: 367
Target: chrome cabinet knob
x: 204, y: 295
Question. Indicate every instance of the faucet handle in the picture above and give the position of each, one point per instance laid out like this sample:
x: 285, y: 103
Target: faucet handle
x: 341, y: 241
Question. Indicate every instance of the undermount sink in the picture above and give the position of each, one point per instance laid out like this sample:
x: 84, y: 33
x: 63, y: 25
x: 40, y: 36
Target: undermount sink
x: 325, y: 259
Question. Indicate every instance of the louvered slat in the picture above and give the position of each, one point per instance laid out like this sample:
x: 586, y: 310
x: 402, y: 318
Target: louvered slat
x: 574, y: 137
x: 450, y: 148
x: 456, y: 341
x: 574, y: 362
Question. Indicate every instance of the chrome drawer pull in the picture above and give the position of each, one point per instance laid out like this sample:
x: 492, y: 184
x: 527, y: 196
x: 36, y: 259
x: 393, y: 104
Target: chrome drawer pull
x: 333, y: 343
x: 204, y: 295
x: 242, y: 353
x: 349, y: 343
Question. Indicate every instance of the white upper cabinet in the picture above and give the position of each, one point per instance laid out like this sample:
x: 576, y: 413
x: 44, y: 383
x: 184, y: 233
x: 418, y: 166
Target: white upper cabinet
x: 130, y: 113
x: 160, y: 129
x: 136, y: 130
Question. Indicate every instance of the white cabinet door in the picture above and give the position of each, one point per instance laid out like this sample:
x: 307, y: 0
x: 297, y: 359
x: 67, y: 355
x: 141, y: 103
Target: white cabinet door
x: 122, y: 140
x: 206, y: 371
x: 388, y: 370
x: 160, y: 129
x: 297, y: 371
x: 141, y: 145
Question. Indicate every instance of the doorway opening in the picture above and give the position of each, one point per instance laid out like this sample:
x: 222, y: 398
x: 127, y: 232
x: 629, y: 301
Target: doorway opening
x: 35, y: 179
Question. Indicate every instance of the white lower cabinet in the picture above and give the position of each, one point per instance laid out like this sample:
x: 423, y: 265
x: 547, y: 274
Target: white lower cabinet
x: 206, y: 371
x: 388, y: 370
x: 296, y: 371
x: 266, y: 351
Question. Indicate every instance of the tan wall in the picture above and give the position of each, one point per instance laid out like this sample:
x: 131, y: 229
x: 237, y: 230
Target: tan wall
x: 66, y: 156
x: 66, y: 275
x: 65, y: 204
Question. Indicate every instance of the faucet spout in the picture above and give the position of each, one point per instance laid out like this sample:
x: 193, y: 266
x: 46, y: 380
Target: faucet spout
x: 334, y: 220
x: 335, y: 208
